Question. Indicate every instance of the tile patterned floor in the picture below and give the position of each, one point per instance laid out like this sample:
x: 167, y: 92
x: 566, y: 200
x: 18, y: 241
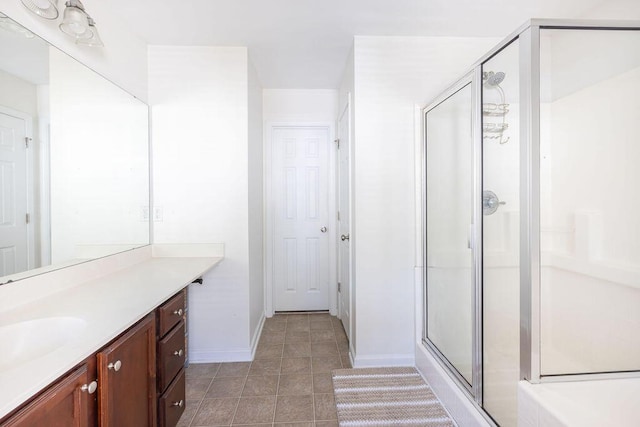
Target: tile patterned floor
x: 287, y: 384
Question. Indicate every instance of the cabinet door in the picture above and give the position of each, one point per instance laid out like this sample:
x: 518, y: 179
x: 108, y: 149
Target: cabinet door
x: 61, y: 405
x: 127, y: 378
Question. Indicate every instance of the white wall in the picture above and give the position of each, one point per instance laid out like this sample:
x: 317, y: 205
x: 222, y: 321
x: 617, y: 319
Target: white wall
x: 18, y: 94
x: 256, y: 205
x: 300, y: 105
x: 122, y: 60
x: 615, y: 9
x: 392, y: 74
x: 199, y: 98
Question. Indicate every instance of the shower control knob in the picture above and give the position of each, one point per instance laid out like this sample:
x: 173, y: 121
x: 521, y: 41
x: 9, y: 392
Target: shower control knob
x: 490, y: 202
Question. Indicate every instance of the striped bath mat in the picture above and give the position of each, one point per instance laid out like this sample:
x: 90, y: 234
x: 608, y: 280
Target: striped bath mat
x: 386, y: 397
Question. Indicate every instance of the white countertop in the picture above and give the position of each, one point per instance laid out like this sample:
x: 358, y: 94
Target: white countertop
x: 108, y: 305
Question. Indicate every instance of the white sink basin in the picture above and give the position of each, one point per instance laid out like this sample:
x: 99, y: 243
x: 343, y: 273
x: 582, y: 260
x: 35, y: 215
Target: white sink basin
x: 26, y: 341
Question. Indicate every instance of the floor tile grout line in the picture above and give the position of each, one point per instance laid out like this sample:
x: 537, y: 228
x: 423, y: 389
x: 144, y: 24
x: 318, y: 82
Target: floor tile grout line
x: 244, y: 384
x: 313, y: 398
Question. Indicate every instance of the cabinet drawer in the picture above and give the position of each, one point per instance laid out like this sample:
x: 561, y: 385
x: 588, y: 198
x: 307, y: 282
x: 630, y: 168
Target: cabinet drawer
x: 170, y: 313
x: 171, y: 356
x: 172, y: 402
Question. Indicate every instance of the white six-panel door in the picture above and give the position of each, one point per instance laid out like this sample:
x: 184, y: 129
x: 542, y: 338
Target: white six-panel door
x: 300, y: 194
x: 13, y: 195
x: 344, y: 229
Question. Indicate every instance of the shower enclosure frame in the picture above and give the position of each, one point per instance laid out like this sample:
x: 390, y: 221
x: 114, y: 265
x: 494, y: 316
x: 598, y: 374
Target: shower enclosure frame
x: 473, y: 390
x: 530, y: 282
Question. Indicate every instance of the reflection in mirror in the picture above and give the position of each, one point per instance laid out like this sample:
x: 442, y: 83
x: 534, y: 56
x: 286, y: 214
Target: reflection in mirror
x: 74, y: 160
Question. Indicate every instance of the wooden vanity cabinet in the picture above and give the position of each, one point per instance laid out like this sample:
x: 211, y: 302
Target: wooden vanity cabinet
x: 66, y: 403
x: 137, y: 380
x: 127, y: 378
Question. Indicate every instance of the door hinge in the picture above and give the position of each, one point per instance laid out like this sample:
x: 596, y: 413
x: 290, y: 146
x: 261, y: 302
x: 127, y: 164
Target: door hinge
x: 339, y: 286
x: 27, y: 141
x: 337, y: 141
x: 27, y: 218
x: 338, y: 215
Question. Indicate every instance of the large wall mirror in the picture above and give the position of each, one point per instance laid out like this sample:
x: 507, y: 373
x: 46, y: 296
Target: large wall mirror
x: 74, y: 160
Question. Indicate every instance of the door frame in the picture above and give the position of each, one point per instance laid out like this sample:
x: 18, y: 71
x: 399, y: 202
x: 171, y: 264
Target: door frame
x: 30, y: 161
x: 269, y: 215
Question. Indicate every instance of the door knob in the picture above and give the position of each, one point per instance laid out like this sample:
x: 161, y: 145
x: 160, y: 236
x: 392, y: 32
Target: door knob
x: 344, y: 237
x: 323, y: 229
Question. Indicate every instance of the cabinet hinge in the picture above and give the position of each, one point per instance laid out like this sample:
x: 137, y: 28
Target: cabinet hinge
x: 339, y: 286
x: 27, y: 218
x: 337, y: 141
x: 338, y: 215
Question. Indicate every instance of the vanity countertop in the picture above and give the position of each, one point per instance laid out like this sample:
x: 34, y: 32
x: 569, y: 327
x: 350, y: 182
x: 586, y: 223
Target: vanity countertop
x: 91, y: 313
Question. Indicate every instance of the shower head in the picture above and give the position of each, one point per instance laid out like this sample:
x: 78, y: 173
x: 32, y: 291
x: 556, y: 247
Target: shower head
x: 493, y: 79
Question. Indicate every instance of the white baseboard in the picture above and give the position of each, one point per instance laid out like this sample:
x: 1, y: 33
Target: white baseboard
x: 256, y: 336
x: 381, y: 360
x: 232, y: 355
x: 463, y: 411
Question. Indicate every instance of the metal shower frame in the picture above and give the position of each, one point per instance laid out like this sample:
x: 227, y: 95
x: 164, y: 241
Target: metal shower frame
x: 528, y: 35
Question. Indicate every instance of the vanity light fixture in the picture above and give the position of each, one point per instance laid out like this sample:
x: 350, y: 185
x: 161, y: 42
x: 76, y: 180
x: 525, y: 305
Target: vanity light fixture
x: 47, y: 9
x: 95, y: 39
x: 75, y: 21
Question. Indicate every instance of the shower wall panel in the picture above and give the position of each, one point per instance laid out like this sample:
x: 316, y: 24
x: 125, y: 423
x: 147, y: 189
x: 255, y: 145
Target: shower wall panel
x: 590, y: 260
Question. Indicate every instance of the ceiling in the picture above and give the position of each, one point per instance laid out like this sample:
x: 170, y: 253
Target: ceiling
x: 306, y: 43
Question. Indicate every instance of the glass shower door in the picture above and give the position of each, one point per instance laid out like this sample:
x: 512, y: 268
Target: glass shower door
x: 449, y: 217
x: 501, y: 234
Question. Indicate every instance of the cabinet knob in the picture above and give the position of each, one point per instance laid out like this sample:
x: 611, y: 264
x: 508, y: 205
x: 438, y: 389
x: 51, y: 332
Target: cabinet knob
x: 178, y: 312
x: 178, y: 353
x: 179, y: 404
x: 115, y: 365
x: 90, y: 388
